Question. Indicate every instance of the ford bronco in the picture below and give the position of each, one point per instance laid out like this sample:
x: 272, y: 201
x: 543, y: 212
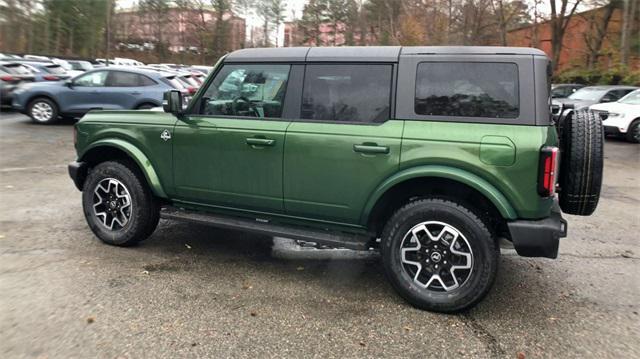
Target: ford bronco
x: 431, y: 155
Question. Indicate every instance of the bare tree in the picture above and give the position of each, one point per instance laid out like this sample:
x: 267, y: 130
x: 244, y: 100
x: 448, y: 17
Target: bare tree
x: 560, y: 18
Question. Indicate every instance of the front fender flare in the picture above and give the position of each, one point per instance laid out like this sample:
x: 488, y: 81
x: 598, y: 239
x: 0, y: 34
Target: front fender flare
x: 138, y: 156
x: 481, y: 185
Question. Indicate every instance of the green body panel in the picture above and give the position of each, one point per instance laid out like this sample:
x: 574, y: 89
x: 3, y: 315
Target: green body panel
x: 325, y: 178
x: 467, y: 178
x: 458, y: 146
x: 138, y: 134
x: 215, y: 165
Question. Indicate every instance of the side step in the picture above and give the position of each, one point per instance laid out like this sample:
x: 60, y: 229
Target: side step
x: 328, y: 238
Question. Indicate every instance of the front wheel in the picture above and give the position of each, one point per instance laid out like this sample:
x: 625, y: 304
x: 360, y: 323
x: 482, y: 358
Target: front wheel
x: 43, y: 111
x: 633, y: 132
x: 118, y: 205
x: 439, y: 255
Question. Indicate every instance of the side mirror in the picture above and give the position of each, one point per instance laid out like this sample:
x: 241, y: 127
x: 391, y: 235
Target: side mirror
x: 172, y: 102
x: 68, y: 83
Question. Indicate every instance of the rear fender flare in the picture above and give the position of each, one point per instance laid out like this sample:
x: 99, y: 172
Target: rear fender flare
x: 494, y: 195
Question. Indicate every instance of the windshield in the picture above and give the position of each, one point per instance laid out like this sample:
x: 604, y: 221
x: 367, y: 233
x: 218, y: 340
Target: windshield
x: 587, y: 94
x: 631, y: 99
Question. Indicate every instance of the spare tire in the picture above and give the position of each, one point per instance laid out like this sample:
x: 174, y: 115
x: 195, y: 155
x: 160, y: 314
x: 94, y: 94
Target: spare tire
x: 581, y: 159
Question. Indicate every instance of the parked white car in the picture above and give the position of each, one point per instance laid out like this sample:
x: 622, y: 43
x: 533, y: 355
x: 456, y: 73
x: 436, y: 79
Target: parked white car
x: 622, y: 117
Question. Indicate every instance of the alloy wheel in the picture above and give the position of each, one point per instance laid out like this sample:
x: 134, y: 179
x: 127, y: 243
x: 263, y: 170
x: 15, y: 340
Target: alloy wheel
x: 112, y: 204
x: 437, y: 256
x: 42, y: 111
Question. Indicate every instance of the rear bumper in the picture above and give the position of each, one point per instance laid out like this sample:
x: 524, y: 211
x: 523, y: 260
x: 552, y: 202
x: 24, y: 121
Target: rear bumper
x: 539, y: 238
x: 78, y: 173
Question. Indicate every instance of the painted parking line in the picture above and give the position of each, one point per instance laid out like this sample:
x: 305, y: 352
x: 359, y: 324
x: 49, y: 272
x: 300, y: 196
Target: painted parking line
x: 34, y: 168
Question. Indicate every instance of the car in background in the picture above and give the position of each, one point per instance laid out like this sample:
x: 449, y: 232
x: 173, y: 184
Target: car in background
x: 10, y: 79
x: 204, y: 69
x: 45, y: 71
x: 80, y: 65
x: 564, y: 90
x: 621, y: 118
x: 109, y: 88
x: 563, y: 108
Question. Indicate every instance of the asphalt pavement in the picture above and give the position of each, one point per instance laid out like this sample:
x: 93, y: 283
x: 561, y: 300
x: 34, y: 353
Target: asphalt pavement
x: 194, y: 291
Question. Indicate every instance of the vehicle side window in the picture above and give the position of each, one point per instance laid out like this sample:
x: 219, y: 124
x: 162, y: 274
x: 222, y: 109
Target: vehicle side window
x: 247, y: 90
x: 347, y: 93
x: 467, y: 89
x: 93, y: 79
x: 618, y: 94
x: 145, y: 81
x: 125, y: 79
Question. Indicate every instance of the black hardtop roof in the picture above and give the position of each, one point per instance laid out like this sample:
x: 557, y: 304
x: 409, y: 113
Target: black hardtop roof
x: 367, y: 53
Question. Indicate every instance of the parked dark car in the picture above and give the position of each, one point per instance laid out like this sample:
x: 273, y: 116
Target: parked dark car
x: 564, y: 90
x: 563, y: 108
x: 11, y: 76
x: 112, y: 88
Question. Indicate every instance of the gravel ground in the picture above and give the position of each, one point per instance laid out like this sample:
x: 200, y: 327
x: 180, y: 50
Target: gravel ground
x: 194, y: 291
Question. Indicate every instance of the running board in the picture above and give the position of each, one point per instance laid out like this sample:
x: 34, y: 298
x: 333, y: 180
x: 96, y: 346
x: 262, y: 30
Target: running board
x: 328, y: 238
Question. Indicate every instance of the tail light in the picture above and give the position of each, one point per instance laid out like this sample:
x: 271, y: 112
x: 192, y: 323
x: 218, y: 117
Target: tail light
x: 192, y: 90
x: 548, y: 171
x: 8, y: 78
x: 51, y: 78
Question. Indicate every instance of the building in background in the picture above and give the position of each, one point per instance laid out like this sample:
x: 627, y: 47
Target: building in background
x: 580, y: 44
x: 179, y: 30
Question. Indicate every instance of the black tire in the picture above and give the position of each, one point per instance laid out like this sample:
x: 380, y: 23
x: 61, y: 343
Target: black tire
x: 477, y: 237
x: 581, y: 164
x: 37, y: 108
x: 633, y: 132
x: 143, y: 211
x: 145, y: 106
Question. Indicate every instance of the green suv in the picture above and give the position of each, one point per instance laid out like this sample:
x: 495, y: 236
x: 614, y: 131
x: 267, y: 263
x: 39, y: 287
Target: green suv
x: 431, y: 155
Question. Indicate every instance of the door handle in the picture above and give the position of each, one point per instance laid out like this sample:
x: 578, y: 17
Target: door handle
x: 254, y: 141
x: 371, y: 148
x: 136, y: 93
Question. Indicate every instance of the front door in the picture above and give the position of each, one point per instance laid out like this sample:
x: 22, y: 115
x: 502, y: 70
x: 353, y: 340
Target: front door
x: 229, y: 153
x: 344, y: 144
x: 84, y: 93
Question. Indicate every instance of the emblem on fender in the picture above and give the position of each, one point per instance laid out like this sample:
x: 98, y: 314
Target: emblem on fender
x: 165, y: 135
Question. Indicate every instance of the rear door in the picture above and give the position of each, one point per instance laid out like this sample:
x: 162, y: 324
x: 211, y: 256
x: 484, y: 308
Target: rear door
x: 344, y: 143
x: 126, y: 90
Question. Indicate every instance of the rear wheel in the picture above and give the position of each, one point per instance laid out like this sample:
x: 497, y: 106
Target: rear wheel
x: 439, y: 255
x: 43, y: 110
x: 118, y: 205
x: 581, y: 164
x: 633, y: 132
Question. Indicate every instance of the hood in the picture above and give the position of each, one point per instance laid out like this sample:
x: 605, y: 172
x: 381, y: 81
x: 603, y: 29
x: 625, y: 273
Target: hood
x: 576, y: 104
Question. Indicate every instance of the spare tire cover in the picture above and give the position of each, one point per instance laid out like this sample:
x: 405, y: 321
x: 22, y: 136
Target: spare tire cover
x: 581, y: 159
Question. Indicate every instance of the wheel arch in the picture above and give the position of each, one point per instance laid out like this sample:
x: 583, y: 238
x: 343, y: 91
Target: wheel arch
x: 109, y: 149
x: 146, y: 102
x: 42, y: 95
x: 439, y: 181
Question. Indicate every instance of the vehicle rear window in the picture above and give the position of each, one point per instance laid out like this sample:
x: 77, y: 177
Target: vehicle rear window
x: 16, y: 69
x: 347, y: 93
x: 467, y: 89
x: 56, y: 69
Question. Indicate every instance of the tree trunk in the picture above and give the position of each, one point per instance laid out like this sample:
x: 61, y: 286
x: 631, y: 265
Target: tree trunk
x: 600, y: 33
